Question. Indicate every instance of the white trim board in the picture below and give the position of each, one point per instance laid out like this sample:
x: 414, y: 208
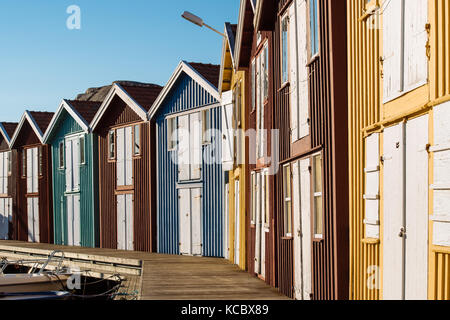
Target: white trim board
x: 65, y: 105
x: 119, y: 91
x: 185, y: 67
x: 27, y: 117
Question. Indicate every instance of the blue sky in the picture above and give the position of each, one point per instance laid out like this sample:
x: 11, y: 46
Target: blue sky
x: 42, y: 61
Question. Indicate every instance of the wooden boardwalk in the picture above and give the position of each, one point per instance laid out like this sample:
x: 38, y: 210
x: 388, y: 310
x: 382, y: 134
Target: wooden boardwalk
x: 157, y: 276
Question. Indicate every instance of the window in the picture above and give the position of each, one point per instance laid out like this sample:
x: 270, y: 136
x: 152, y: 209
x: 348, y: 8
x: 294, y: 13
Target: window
x: 41, y: 162
x: 82, y: 150
x: 171, y: 133
x: 137, y: 140
x: 61, y: 155
x: 313, y: 28
x: 405, y: 43
x: 24, y: 163
x: 285, y: 49
x: 318, y: 203
x: 262, y: 93
x: 287, y: 200
x: 112, y: 145
x: 206, y: 126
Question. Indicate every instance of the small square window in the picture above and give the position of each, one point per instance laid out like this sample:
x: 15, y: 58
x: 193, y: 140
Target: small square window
x: 61, y: 155
x: 112, y: 145
x: 137, y: 140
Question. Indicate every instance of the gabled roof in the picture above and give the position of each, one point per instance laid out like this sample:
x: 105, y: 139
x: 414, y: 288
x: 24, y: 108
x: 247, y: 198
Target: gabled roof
x: 39, y: 122
x: 81, y: 111
x: 244, y: 35
x: 206, y: 75
x: 228, y: 44
x: 7, y: 130
x: 138, y: 97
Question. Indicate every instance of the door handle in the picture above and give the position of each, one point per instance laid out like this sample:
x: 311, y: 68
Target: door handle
x: 402, y: 233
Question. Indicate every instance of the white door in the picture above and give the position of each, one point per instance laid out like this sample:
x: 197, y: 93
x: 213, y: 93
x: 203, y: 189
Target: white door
x: 5, y: 217
x: 393, y: 214
x: 196, y: 204
x: 236, y: 222
x: 33, y: 219
x: 125, y: 222
x: 190, y: 225
x: 72, y: 164
x: 73, y: 220
x: 301, y: 188
x: 405, y: 223
x: 260, y: 245
x: 226, y: 215
x: 416, y: 241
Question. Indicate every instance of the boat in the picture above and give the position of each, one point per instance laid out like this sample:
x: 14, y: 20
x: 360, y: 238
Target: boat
x: 51, y: 295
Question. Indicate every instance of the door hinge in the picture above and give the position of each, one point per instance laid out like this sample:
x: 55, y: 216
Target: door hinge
x: 427, y: 45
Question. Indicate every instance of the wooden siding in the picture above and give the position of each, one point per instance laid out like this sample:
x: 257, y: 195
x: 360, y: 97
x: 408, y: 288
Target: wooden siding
x: 88, y: 189
x: 186, y: 95
x: 12, y: 185
x: 364, y: 97
x: 328, y: 119
x: 119, y: 114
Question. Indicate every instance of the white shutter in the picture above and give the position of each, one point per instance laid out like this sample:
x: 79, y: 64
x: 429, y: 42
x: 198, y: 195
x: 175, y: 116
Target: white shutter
x: 305, y: 190
x: 372, y: 190
x: 129, y: 180
x: 226, y: 222
x: 262, y: 109
x: 184, y: 221
x: 292, y: 65
x: 416, y: 37
x: 393, y: 213
x: 227, y: 129
x: 441, y: 183
x: 261, y: 225
x: 183, y: 148
x: 29, y: 157
x: 35, y: 170
x: 303, y: 73
x: 69, y: 166
x: 195, y: 154
x: 196, y: 203
x: 76, y: 163
x: 120, y: 133
x: 416, y: 250
x: 5, y: 169
x: 392, y: 49
x: 129, y: 221
x: 121, y: 222
x: 258, y: 106
x: 76, y: 220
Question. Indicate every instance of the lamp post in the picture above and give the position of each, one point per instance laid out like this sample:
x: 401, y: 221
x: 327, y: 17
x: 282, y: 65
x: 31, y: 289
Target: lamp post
x: 198, y: 21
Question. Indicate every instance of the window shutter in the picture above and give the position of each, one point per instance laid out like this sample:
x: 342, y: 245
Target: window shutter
x: 76, y: 164
x: 183, y: 148
x: 292, y: 65
x: 120, y: 136
x: 372, y: 192
x: 69, y: 166
x: 129, y: 156
x: 195, y: 154
x: 303, y: 72
x: 30, y: 220
x: 227, y: 128
x: 392, y: 49
x: 441, y: 183
x: 29, y: 159
x: 416, y: 37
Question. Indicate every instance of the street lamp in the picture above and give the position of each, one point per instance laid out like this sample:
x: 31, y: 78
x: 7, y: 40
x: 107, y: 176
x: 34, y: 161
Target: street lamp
x: 198, y: 21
